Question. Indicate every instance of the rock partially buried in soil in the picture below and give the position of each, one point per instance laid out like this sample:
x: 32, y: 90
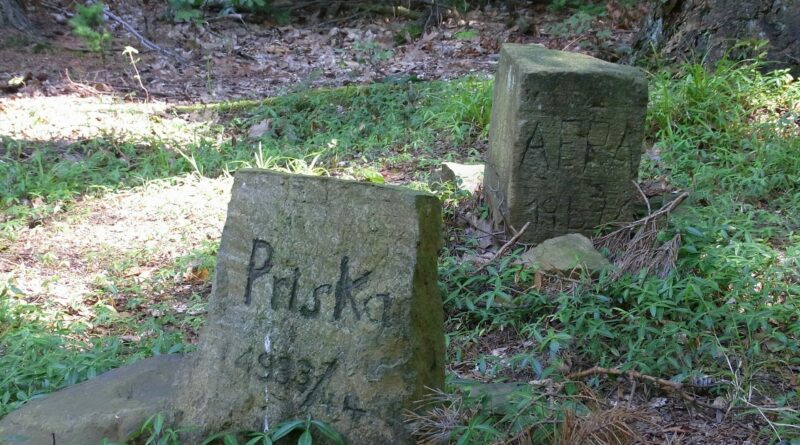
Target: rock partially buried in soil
x: 564, y: 254
x: 325, y: 304
x: 469, y: 177
x: 111, y: 406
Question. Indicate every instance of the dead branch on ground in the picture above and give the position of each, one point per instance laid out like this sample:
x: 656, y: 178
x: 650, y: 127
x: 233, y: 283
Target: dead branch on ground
x: 507, y: 246
x: 668, y: 385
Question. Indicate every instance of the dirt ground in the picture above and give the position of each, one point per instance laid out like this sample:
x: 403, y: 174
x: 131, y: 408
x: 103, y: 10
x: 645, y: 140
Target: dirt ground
x: 226, y: 58
x: 72, y: 94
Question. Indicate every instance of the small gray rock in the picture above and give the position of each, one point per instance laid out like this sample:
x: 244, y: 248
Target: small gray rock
x: 565, y: 253
x: 469, y: 177
x: 259, y: 129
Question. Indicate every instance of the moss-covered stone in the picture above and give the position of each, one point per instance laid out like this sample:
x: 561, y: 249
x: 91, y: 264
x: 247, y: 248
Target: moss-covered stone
x: 565, y: 141
x: 325, y: 304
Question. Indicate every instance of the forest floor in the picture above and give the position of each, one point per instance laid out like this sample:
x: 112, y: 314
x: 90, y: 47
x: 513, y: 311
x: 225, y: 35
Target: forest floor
x: 117, y: 192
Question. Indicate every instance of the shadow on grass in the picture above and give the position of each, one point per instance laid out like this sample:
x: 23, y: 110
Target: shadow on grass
x: 344, y: 129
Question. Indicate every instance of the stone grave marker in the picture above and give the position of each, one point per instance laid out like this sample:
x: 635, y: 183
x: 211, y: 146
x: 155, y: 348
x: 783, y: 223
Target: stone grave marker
x: 565, y: 141
x: 325, y: 304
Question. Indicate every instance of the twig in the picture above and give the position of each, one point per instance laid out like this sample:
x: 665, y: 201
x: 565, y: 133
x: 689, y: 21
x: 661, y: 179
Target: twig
x: 665, y: 384
x: 631, y: 374
x: 505, y: 247
x: 142, y: 39
x: 233, y: 16
x: 646, y: 201
x: 107, y: 12
x: 666, y: 209
x: 571, y: 42
x: 80, y: 86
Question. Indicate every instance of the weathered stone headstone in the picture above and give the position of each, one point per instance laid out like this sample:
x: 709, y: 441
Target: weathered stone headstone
x: 565, y: 141
x: 325, y: 304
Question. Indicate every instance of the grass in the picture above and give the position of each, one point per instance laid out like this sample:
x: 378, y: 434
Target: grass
x: 728, y: 312
x: 40, y: 354
x: 384, y: 123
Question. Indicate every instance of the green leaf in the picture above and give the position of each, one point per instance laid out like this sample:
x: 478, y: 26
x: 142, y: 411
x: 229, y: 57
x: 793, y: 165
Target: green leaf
x: 693, y: 231
x: 465, y: 35
x: 187, y: 15
x: 215, y: 437
x: 571, y: 389
x: 305, y: 438
x: 260, y: 438
x: 286, y: 427
x: 373, y: 176
x: 328, y: 432
x: 158, y: 424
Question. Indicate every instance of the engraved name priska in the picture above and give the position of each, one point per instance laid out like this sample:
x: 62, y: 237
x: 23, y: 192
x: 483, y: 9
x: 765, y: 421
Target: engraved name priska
x: 285, y: 289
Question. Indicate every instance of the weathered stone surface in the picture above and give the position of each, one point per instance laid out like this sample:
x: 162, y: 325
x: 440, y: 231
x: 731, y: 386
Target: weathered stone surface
x: 111, y: 406
x: 468, y: 176
x: 565, y: 253
x: 325, y: 304
x: 565, y: 141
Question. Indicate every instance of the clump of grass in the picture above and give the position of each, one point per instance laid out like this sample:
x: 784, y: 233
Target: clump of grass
x: 40, y: 353
x: 376, y: 120
x: 157, y: 430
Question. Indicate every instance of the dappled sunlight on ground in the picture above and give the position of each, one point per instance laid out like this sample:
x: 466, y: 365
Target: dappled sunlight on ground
x: 65, y: 119
x: 131, y: 233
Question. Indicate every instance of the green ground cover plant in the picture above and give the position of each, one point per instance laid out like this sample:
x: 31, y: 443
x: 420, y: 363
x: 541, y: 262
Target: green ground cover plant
x: 728, y: 313
x: 729, y: 310
x: 40, y: 354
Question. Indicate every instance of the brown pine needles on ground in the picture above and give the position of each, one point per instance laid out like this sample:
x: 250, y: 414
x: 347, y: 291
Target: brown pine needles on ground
x: 436, y: 417
x: 634, y: 246
x: 603, y: 427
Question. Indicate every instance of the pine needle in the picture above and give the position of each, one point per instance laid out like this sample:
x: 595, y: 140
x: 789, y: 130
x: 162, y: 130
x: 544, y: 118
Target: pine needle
x: 634, y: 246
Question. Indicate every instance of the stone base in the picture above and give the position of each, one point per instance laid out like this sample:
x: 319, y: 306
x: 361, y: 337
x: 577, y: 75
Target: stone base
x: 111, y: 406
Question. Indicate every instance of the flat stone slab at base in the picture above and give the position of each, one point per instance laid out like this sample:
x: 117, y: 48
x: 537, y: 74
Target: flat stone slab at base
x: 111, y: 406
x: 565, y: 141
x: 325, y: 304
x: 564, y: 254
